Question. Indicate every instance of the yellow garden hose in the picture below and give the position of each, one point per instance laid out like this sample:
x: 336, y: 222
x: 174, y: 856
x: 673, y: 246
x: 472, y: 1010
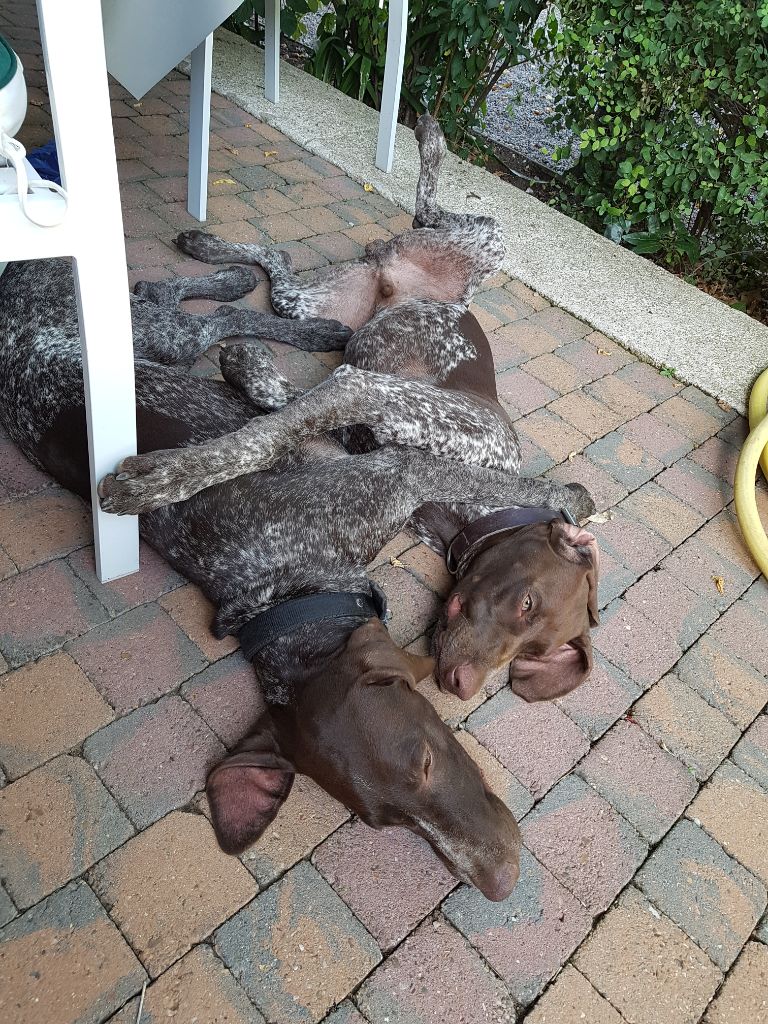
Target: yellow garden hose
x: 754, y: 452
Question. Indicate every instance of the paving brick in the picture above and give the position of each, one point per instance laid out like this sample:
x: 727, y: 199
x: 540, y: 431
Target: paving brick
x: 528, y: 937
x: 723, y: 535
x: 630, y: 541
x: 198, y: 988
x: 497, y: 778
x: 634, y: 644
x: 536, y: 742
x: 169, y: 887
x: 695, y: 487
x: 521, y: 293
x: 699, y: 567
x: 534, y: 460
x: 429, y: 567
x: 586, y: 845
x: 227, y: 696
x: 751, y: 752
x: 665, y: 514
x: 42, y: 609
x: 615, y: 578
x: 7, y: 566
x: 646, y: 966
x: 319, y: 219
x: 297, y: 950
x: 601, y: 700
x: 530, y: 338
x: 154, y: 759
x: 505, y: 353
x: 735, y: 432
x: 724, y: 680
x: 7, y: 909
x: 718, y: 457
x: 662, y: 441
x: 572, y: 1000
x: 496, y: 300
x: 562, y: 324
x: 623, y: 459
x: 648, y: 786
x: 757, y: 595
x: 18, y: 474
x: 83, y: 968
x: 620, y: 396
x: 435, y: 977
x: 556, y: 373
x: 43, y: 526
x: 649, y: 381
x: 366, y: 233
x: 152, y: 252
x: 46, y: 707
x: 193, y: 612
x: 553, y: 435
x: 414, y: 607
x: 675, y: 609
x: 452, y: 710
x: 55, y: 823
x: 520, y: 393
x: 595, y: 355
x: 696, y: 423
x: 743, y: 631
x: 137, y: 657
x: 697, y: 885
x: 683, y: 723
x: 584, y: 412
x: 744, y: 996
x: 308, y: 816
x: 154, y: 579
x: 390, y: 879
x: 733, y: 809
x: 271, y: 202
x: 606, y: 491
x: 337, y: 246
x: 241, y: 232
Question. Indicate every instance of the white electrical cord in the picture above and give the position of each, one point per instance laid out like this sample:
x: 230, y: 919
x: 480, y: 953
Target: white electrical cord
x: 30, y: 193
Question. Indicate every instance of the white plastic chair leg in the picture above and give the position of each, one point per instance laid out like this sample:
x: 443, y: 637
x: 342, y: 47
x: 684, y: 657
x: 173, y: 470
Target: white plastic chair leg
x: 272, y: 50
x: 86, y: 149
x: 199, y: 127
x: 393, y: 77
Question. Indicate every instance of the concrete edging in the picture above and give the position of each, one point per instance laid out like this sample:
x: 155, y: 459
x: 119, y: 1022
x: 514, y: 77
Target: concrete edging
x: 643, y: 307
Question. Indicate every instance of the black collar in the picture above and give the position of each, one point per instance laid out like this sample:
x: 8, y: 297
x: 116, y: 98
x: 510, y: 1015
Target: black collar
x: 473, y: 539
x: 284, y: 618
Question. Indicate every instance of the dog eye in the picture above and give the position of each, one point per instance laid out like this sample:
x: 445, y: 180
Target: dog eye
x: 427, y: 763
x: 527, y: 603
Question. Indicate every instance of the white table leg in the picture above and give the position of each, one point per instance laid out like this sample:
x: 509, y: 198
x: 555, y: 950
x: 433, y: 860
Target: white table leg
x: 393, y: 76
x: 86, y: 148
x: 199, y: 127
x: 272, y: 50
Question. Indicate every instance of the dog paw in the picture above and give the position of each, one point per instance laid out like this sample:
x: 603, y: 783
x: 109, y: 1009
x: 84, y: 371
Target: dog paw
x: 581, y: 503
x: 194, y: 243
x: 321, y: 335
x: 147, y: 482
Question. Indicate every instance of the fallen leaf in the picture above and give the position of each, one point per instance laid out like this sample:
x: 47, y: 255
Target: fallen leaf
x: 600, y: 517
x: 270, y: 152
x: 234, y: 152
x: 137, y: 105
x: 397, y: 563
x: 719, y: 583
x: 225, y: 181
x: 572, y: 456
x: 604, y: 352
x: 368, y: 187
x: 249, y: 125
x: 724, y: 405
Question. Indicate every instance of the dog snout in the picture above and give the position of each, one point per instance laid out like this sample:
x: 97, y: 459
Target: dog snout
x: 500, y: 881
x: 463, y: 681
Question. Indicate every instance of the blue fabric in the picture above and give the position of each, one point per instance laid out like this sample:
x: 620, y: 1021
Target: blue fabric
x: 45, y: 161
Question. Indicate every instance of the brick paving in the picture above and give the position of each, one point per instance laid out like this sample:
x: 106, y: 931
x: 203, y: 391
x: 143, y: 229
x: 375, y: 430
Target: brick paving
x: 642, y: 797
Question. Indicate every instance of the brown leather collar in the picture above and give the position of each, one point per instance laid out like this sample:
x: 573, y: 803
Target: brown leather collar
x: 472, y: 539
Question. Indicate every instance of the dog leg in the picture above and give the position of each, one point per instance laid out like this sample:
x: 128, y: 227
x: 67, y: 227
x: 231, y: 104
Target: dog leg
x: 347, y: 292
x: 311, y: 335
x: 447, y: 425
x: 250, y: 370
x: 224, y: 286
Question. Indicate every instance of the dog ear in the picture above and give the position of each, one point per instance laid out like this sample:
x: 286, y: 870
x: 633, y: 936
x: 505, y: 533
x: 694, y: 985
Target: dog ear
x: 536, y: 679
x: 579, y: 544
x: 248, y: 788
x: 379, y: 661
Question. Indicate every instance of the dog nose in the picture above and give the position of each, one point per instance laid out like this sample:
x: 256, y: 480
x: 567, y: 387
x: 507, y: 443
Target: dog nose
x: 463, y: 681
x: 501, y: 881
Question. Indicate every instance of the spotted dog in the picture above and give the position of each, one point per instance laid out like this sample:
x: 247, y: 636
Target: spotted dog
x: 418, y: 373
